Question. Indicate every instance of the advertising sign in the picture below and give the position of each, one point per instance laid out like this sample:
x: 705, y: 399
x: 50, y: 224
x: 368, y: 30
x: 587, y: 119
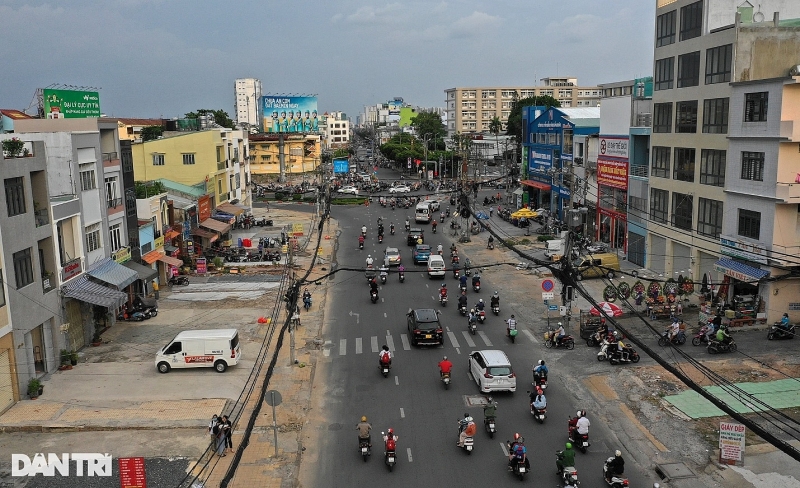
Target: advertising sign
x: 737, y: 248
x: 540, y: 159
x: 72, y: 268
x: 70, y: 104
x: 204, y: 208
x: 731, y: 443
x: 289, y: 114
x: 614, y: 147
x: 341, y: 165
x: 132, y: 473
x: 121, y: 255
x: 201, y: 266
x: 395, y: 106
x: 612, y: 172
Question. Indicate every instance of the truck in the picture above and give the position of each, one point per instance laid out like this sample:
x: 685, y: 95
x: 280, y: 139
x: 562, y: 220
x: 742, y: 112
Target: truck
x: 554, y: 248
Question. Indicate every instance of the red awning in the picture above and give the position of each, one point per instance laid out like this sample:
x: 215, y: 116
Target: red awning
x: 152, y: 257
x: 170, y: 260
x: 171, y: 234
x: 535, y: 184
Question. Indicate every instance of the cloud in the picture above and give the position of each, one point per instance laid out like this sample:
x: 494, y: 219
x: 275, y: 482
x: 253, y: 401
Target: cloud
x: 371, y: 15
x: 474, y: 25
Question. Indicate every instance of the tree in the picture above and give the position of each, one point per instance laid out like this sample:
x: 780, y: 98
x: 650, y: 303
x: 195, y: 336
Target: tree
x: 151, y: 132
x: 495, y: 126
x: 428, y: 123
x: 221, y: 117
x: 514, y: 123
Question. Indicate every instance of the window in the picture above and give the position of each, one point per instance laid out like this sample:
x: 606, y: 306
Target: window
x: 661, y: 157
x: 665, y: 28
x: 718, y: 64
x: 115, y: 236
x: 112, y: 193
x: 682, y: 210
x: 88, y: 180
x: 158, y: 159
x: 2, y: 289
x: 658, y: 205
x: 92, y: 233
x: 715, y: 116
x: 753, y: 166
x: 712, y: 167
x: 567, y: 142
x: 755, y: 107
x: 130, y: 203
x: 686, y: 117
x: 23, y: 268
x: 684, y: 164
x: 188, y: 158
x: 691, y: 20
x: 665, y: 74
x: 749, y: 224
x: 709, y: 217
x: 15, y: 195
x: 689, y: 69
x: 662, y: 117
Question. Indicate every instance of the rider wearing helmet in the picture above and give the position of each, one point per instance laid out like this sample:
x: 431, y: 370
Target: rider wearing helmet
x: 490, y: 409
x: 540, y: 371
x: 466, y: 429
x: 517, y: 450
x: 369, y: 260
x: 473, y: 317
x: 480, y: 305
x: 495, y: 300
x: 390, y: 440
x: 559, y: 334
x: 445, y: 366
x: 566, y: 458
x: 616, y: 466
x: 364, y: 429
x: 443, y: 290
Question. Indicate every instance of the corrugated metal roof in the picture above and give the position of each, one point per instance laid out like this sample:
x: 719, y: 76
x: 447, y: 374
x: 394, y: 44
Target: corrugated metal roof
x: 113, y: 273
x: 197, y: 190
x: 145, y: 273
x: 90, y: 292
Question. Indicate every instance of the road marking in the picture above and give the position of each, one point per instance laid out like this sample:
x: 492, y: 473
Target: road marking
x: 467, y: 338
x: 390, y: 342
x: 402, y: 413
x: 326, y: 350
x: 381, y: 300
x: 409, y: 454
x: 342, y: 347
x: 427, y: 285
x: 358, y: 345
x: 358, y: 316
x: 504, y: 448
x: 397, y: 381
x: 404, y: 340
x: 485, y: 339
x: 374, y: 343
x: 453, y: 340
x: 530, y: 336
x: 458, y: 350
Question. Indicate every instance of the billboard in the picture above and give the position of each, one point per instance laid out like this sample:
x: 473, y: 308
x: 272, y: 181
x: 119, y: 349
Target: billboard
x: 611, y: 172
x: 70, y: 104
x: 289, y: 114
x: 341, y: 165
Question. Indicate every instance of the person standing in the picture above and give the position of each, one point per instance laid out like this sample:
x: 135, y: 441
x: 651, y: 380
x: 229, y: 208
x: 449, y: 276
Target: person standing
x: 211, y: 425
x: 228, y: 426
x: 219, y: 438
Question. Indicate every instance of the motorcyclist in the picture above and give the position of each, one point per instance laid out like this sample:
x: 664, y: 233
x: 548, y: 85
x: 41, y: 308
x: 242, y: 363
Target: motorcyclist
x: 408, y: 224
x: 582, y: 425
x: 466, y: 428
x: 559, y: 334
x: 602, y: 331
x: 495, y: 300
x: 453, y: 249
x: 445, y: 366
x: 538, y: 400
x: 490, y: 243
x: 715, y: 325
x: 723, y: 336
x: 566, y: 458
x: 369, y: 260
x: 476, y: 281
x: 623, y: 350
x: 363, y: 230
x: 480, y: 305
x: 364, y: 429
x: 540, y: 371
x: 385, y: 356
x: 441, y: 216
x: 463, y: 281
x: 517, y: 450
x: 380, y: 230
x: 373, y: 285
x: 391, y: 226
x: 433, y: 226
x: 490, y: 409
x: 616, y: 466
x: 674, y: 329
x: 439, y: 249
x: 390, y: 440
x: 361, y: 241
x: 511, y: 324
x: 785, y: 322
x: 443, y: 290
x: 472, y: 317
x: 306, y: 297
x: 462, y: 300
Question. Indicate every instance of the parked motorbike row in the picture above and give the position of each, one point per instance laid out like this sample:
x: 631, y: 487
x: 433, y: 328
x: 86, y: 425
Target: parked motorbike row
x: 242, y: 255
x: 249, y: 221
x: 142, y: 309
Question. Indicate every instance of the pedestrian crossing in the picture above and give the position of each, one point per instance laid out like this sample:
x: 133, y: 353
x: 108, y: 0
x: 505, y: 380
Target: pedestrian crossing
x: 453, y: 339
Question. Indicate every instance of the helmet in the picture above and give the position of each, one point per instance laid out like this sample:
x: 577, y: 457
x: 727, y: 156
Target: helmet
x: 391, y: 431
x: 466, y: 416
x: 468, y: 419
x: 617, y: 453
x: 539, y: 391
x: 516, y: 436
x: 512, y: 315
x: 363, y: 418
x: 444, y: 285
x: 541, y: 362
x: 568, y: 445
x: 480, y: 301
x: 560, y: 324
x: 578, y: 414
x: 369, y: 256
x: 489, y: 399
x: 444, y: 358
x: 495, y: 294
x: 472, y: 310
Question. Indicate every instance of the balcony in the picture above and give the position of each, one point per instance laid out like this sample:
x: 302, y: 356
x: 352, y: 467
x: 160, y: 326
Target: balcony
x: 221, y: 165
x: 110, y: 156
x: 787, y: 192
x: 790, y: 130
x: 113, y: 202
x: 578, y: 161
x: 42, y: 216
x: 644, y: 119
x: 638, y: 170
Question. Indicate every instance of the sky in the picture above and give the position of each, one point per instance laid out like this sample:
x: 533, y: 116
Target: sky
x: 163, y: 58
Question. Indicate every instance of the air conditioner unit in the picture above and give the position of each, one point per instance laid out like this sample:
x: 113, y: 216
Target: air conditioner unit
x: 795, y: 71
x: 55, y: 115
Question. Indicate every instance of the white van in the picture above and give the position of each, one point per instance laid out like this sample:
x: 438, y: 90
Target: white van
x: 200, y: 349
x: 435, y: 266
x: 423, y: 212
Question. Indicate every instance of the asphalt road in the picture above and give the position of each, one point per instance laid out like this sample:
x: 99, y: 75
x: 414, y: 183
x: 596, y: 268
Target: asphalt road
x: 413, y: 401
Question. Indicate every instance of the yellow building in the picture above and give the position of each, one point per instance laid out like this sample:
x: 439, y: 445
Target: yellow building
x: 301, y: 154
x: 216, y: 156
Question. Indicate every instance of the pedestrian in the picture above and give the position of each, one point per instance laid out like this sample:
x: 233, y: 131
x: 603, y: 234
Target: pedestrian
x: 211, y: 425
x: 219, y: 433
x: 491, y: 210
x: 228, y: 432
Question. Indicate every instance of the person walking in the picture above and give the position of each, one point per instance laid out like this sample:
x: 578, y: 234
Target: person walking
x: 211, y: 425
x: 219, y: 438
x: 228, y: 426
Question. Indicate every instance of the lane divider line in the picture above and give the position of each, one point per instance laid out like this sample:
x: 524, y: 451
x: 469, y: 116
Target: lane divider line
x: 504, y: 448
x: 410, y: 459
x: 390, y: 342
x: 467, y: 338
x: 402, y: 413
x: 485, y: 338
x: 397, y: 381
x: 453, y: 340
x: 404, y: 340
x: 326, y: 350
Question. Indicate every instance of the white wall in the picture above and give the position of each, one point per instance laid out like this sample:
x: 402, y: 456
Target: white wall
x: 615, y: 116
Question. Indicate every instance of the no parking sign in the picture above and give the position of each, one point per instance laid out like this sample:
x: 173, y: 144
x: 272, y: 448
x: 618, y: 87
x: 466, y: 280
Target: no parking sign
x: 548, y: 285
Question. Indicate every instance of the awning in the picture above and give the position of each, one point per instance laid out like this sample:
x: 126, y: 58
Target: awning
x: 198, y: 232
x: 535, y: 184
x: 170, y: 260
x: 90, y: 292
x: 518, y: 191
x: 145, y: 273
x: 171, y: 234
x: 740, y: 271
x: 170, y: 248
x: 113, y: 273
x: 152, y: 257
x: 216, y: 225
x: 230, y: 209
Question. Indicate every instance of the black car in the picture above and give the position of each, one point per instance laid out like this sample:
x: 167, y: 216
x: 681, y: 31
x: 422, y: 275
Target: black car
x: 424, y: 327
x: 414, y: 234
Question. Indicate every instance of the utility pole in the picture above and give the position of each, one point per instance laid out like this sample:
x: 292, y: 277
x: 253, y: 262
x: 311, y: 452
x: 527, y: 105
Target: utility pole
x: 281, y: 158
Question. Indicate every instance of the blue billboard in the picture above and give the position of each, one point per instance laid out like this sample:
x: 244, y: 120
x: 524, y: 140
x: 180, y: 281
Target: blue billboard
x: 289, y: 114
x: 341, y: 165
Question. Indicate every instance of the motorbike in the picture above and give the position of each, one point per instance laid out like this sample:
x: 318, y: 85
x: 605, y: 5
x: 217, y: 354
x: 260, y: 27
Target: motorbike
x: 490, y: 246
x: 496, y: 309
x: 264, y: 222
x: 778, y: 332
x: 715, y: 346
x: 360, y: 245
x: 385, y: 367
x: 489, y: 425
x: 550, y: 340
x: 307, y: 302
x: 402, y: 275
x: 469, y: 442
x: 569, y: 475
x: 476, y: 286
x: 380, y: 238
x: 433, y: 229
x: 462, y: 309
x: 604, y: 349
x: 408, y: 226
x: 481, y: 316
x: 518, y: 467
x: 597, y: 339
x: 148, y: 306
x: 512, y: 334
x: 443, y: 300
x: 391, y: 229
x: 179, y: 280
x: 446, y: 380
x: 364, y: 449
x: 540, y: 380
x: 472, y: 325
x: 131, y: 316
x: 615, y: 356
x: 384, y: 275
x: 680, y: 338
x: 614, y: 481
x: 390, y: 455
x: 701, y: 337
x: 539, y: 413
x: 581, y: 441
x: 373, y: 295
x: 455, y: 272
x: 462, y: 287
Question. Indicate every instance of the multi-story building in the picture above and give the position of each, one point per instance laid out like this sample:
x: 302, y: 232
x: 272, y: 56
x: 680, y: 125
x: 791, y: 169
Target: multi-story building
x: 336, y: 129
x: 473, y: 109
x: 301, y: 153
x: 717, y: 145
x: 247, y: 95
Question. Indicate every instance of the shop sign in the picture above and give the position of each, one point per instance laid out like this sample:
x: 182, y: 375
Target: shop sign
x: 562, y: 191
x: 122, y: 255
x: 158, y: 242
x: 612, y: 173
x: 190, y: 247
x: 204, y: 208
x: 736, y: 275
x: 297, y: 229
x: 132, y: 473
x: 794, y: 306
x: 71, y: 269
x: 540, y: 159
x: 731, y: 442
x: 614, y: 147
x: 731, y: 246
x: 201, y: 266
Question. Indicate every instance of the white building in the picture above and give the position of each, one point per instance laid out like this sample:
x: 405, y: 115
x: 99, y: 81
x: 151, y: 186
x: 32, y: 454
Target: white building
x: 337, y: 129
x: 247, y: 93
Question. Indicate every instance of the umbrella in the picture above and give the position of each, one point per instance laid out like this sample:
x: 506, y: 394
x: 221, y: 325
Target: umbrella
x: 481, y: 215
x: 524, y: 213
x: 609, y: 308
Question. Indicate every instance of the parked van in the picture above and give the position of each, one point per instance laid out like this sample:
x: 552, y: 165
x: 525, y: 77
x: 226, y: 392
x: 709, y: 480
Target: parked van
x: 422, y: 213
x: 596, y: 265
x: 200, y: 349
x: 435, y: 266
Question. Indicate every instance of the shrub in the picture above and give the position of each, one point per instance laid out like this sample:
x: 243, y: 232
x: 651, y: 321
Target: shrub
x: 279, y: 196
x: 544, y: 238
x: 297, y: 197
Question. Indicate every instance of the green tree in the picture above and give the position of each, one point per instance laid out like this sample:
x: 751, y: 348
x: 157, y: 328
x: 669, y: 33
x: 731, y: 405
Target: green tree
x: 221, y: 117
x: 152, y: 132
x: 495, y: 126
x: 145, y: 189
x: 514, y: 123
x: 426, y: 122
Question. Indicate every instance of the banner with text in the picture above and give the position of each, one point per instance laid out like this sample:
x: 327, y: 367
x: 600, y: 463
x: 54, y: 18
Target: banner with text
x: 289, y: 114
x: 70, y: 104
x: 612, y: 173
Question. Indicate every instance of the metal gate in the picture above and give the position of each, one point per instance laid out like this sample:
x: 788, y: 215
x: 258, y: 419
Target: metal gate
x: 636, y: 249
x: 658, y: 254
x: 6, y: 382
x: 76, y: 337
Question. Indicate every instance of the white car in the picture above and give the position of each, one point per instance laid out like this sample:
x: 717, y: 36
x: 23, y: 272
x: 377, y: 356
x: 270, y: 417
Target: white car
x: 399, y: 189
x: 491, y: 370
x: 348, y: 189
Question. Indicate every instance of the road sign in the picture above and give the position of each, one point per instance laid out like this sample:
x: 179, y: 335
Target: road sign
x: 548, y: 295
x: 731, y: 443
x: 552, y: 308
x: 547, y: 285
x: 273, y: 398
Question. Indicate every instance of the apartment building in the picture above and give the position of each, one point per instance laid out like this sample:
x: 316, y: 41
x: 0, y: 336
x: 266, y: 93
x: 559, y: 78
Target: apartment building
x: 720, y: 128
x: 247, y: 96
x: 336, y: 129
x: 301, y: 153
x: 472, y: 109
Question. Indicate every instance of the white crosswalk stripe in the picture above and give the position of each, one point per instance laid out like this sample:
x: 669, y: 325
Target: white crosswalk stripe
x: 404, y: 340
x: 342, y: 347
x: 467, y: 338
x: 485, y: 339
x: 374, y: 343
x: 358, y: 345
x: 530, y: 336
x: 390, y: 342
x: 453, y: 340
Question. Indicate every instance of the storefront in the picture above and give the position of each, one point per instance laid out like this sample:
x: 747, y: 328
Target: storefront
x: 91, y: 305
x: 612, y: 192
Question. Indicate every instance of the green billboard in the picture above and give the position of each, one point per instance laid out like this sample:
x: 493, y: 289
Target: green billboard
x: 70, y: 104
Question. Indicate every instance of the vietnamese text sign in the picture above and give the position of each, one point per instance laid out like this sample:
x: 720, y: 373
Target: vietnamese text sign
x: 731, y: 442
x: 289, y: 114
x: 615, y: 147
x: 297, y: 229
x: 70, y: 104
x: 131, y: 473
x: 548, y: 295
x: 202, y: 268
x: 612, y: 173
x: 341, y: 165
